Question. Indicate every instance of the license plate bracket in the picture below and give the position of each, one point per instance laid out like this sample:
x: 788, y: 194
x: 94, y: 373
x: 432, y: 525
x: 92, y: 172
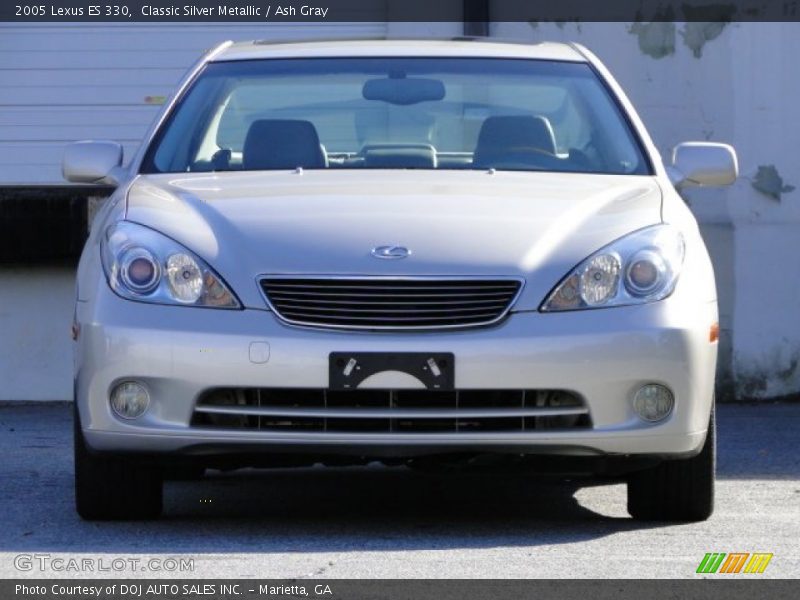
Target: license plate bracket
x: 436, y: 370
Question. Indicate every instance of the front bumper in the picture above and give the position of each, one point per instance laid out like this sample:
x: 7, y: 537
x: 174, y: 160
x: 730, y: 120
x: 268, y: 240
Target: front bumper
x: 603, y: 355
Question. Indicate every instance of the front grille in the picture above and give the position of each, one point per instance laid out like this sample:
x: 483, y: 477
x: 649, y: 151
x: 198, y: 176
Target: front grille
x: 388, y: 303
x: 390, y: 411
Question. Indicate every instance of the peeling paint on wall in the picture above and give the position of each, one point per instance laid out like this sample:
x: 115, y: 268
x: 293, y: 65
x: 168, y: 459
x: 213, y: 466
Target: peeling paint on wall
x: 560, y: 24
x: 777, y: 375
x: 695, y: 35
x: 769, y: 182
x: 655, y: 39
x: 751, y: 386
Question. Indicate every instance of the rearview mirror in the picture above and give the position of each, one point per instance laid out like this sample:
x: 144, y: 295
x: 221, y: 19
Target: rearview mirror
x: 92, y: 162
x: 403, y: 90
x: 703, y: 163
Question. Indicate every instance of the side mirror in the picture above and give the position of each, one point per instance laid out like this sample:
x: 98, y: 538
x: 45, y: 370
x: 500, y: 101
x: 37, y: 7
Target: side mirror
x: 92, y: 162
x: 703, y: 163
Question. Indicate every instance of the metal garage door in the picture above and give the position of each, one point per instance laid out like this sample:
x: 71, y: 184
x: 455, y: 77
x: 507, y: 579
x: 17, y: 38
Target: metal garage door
x: 64, y: 82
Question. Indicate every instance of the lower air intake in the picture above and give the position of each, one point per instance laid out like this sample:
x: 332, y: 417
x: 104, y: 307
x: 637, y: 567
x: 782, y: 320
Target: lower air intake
x: 390, y: 411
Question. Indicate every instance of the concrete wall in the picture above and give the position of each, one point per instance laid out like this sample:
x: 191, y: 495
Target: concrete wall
x: 735, y: 83
x: 36, y: 305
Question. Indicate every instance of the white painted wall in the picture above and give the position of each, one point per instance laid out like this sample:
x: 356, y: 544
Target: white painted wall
x: 61, y: 82
x: 741, y: 87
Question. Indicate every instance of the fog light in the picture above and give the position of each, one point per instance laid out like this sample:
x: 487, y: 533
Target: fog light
x: 653, y: 402
x: 130, y: 399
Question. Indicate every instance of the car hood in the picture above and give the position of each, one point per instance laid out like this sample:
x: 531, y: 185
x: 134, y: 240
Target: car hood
x: 532, y: 225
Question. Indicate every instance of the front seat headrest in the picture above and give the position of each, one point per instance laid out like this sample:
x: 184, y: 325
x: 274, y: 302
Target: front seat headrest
x: 503, y: 136
x: 282, y: 144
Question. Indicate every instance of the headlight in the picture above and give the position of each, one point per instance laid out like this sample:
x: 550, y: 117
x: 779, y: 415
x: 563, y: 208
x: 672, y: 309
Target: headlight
x: 142, y: 264
x: 638, y: 268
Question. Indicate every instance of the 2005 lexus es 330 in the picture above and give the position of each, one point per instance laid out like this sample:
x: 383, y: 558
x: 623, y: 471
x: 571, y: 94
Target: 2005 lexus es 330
x: 424, y: 253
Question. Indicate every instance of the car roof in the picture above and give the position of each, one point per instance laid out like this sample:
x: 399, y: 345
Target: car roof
x: 459, y: 47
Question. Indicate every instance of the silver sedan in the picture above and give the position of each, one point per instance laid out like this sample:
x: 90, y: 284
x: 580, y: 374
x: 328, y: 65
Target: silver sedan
x: 432, y: 254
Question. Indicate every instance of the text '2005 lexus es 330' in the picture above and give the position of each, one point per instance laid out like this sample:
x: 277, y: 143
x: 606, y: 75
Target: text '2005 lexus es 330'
x: 425, y: 253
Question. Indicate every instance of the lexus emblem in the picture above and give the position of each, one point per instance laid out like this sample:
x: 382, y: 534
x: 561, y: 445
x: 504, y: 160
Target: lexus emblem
x: 390, y: 252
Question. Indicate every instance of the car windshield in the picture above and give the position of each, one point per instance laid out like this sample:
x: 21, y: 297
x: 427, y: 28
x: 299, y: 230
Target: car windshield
x: 397, y: 113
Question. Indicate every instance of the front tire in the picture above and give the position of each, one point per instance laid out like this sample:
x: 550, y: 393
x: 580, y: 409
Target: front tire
x: 112, y: 488
x: 677, y: 490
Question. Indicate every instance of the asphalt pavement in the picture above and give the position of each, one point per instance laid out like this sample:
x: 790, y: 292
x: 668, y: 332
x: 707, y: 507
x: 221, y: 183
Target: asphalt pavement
x: 379, y: 522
